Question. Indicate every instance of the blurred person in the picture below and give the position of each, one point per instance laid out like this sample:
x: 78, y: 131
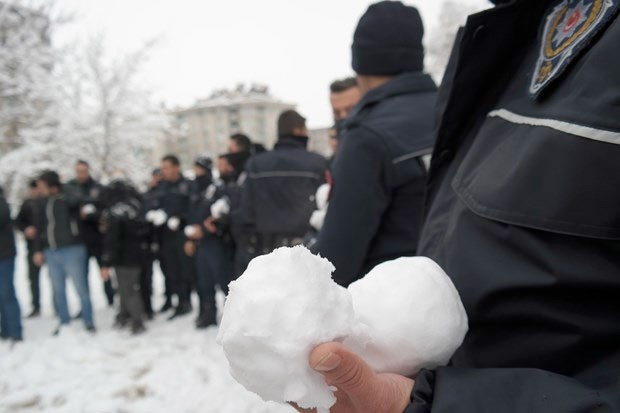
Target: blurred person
x: 209, y: 238
x: 380, y: 163
x: 26, y: 222
x: 151, y: 203
x: 60, y: 245
x: 239, y: 143
x: 344, y: 96
x: 10, y: 315
x: 90, y: 192
x: 173, y: 199
x: 125, y: 249
x: 277, y: 196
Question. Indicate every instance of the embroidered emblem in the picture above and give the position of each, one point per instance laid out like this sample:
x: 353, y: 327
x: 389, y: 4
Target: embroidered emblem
x: 569, y: 27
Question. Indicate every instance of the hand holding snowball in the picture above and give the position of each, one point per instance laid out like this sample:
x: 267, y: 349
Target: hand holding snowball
x: 360, y: 389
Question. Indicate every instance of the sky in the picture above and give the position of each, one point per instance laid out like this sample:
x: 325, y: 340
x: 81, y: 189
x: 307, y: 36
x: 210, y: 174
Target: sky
x: 295, y: 47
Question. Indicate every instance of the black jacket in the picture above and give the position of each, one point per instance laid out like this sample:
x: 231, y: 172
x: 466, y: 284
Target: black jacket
x: 377, y: 199
x: 174, y: 199
x: 278, y: 193
x: 90, y: 193
x: 524, y: 216
x: 27, y: 216
x: 126, y: 241
x: 7, y: 237
x: 58, y: 222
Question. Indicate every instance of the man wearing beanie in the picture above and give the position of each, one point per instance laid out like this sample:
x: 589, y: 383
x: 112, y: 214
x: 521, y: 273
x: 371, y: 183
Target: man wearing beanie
x: 278, y: 194
x: 379, y: 173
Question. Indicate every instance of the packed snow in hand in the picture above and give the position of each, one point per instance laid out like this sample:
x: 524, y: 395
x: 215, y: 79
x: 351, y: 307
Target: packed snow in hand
x: 406, y: 315
x: 283, y: 306
x: 220, y: 208
x: 415, y: 315
x: 322, y: 202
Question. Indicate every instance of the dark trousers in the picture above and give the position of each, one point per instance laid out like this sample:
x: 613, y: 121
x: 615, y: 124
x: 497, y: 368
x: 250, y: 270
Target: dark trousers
x: 214, y: 266
x: 108, y: 288
x: 33, y: 277
x: 10, y: 316
x: 132, y: 308
x: 146, y: 285
x: 177, y: 267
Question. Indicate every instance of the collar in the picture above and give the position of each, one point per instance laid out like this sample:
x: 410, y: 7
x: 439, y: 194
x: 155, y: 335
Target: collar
x: 403, y: 84
x: 291, y: 141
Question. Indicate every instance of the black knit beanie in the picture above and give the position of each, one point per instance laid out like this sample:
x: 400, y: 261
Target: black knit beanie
x: 388, y: 40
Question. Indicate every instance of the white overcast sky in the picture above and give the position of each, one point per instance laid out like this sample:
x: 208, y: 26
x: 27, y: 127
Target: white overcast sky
x: 295, y: 47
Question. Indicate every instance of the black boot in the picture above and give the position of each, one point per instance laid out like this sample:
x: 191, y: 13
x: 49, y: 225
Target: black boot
x: 208, y: 316
x: 184, y: 307
x: 34, y: 313
x: 167, y: 305
x: 137, y: 328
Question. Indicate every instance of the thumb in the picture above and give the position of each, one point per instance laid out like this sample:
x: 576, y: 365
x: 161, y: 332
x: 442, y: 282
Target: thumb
x: 345, y: 370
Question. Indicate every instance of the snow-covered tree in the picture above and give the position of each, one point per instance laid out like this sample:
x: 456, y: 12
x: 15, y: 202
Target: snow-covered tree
x: 441, y: 36
x: 108, y: 116
x: 57, y: 106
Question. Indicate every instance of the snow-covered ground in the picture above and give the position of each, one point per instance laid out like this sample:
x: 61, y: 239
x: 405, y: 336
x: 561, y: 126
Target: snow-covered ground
x: 171, y: 368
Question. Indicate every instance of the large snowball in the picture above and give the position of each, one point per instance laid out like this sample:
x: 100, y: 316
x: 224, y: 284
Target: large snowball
x: 414, y: 314
x: 283, y: 306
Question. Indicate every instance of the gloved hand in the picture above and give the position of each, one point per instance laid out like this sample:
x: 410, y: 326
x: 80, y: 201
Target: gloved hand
x: 88, y: 209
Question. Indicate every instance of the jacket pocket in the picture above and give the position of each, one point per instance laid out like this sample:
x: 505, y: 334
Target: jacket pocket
x: 544, y: 174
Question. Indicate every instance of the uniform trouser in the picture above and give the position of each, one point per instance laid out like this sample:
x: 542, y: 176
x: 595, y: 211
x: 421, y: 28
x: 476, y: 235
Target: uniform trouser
x: 33, y: 278
x: 128, y: 279
x: 146, y: 285
x: 63, y: 263
x: 176, y: 265
x: 10, y: 315
x: 108, y: 288
x: 214, y: 266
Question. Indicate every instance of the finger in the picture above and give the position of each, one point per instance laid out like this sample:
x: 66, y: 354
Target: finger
x: 347, y: 371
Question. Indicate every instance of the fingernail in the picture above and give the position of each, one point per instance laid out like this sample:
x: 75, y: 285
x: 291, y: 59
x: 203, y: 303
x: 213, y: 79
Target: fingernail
x: 329, y: 362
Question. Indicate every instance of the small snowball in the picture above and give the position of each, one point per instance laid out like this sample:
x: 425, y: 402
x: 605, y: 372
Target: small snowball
x: 157, y: 217
x: 283, y: 306
x: 174, y: 223
x: 190, y: 231
x: 414, y: 313
x: 317, y: 219
x: 220, y: 208
x: 322, y: 196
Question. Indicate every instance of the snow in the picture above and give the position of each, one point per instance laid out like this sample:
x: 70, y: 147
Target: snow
x: 172, y: 367
x: 283, y: 306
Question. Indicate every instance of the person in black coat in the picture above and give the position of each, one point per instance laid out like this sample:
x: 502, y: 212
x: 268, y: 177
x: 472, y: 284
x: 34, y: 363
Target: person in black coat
x: 26, y: 222
x: 125, y: 249
x: 10, y: 315
x: 523, y: 216
x: 380, y: 163
x: 90, y: 192
x: 210, y: 240
x: 150, y: 200
x: 173, y: 200
x: 278, y: 193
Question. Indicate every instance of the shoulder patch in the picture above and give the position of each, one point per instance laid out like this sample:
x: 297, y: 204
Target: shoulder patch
x: 569, y: 27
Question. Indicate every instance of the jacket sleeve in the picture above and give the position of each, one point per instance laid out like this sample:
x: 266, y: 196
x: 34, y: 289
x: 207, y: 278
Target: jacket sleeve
x: 508, y: 391
x: 5, y: 214
x: 24, y: 216
x: 245, y: 213
x: 359, y: 197
x: 110, y: 238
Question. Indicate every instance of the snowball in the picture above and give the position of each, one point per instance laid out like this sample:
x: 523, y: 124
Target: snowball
x: 322, y: 196
x: 88, y: 209
x: 157, y: 217
x: 317, y: 219
x: 220, y: 208
x: 283, y: 306
x: 173, y: 223
x: 190, y: 231
x: 414, y: 313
